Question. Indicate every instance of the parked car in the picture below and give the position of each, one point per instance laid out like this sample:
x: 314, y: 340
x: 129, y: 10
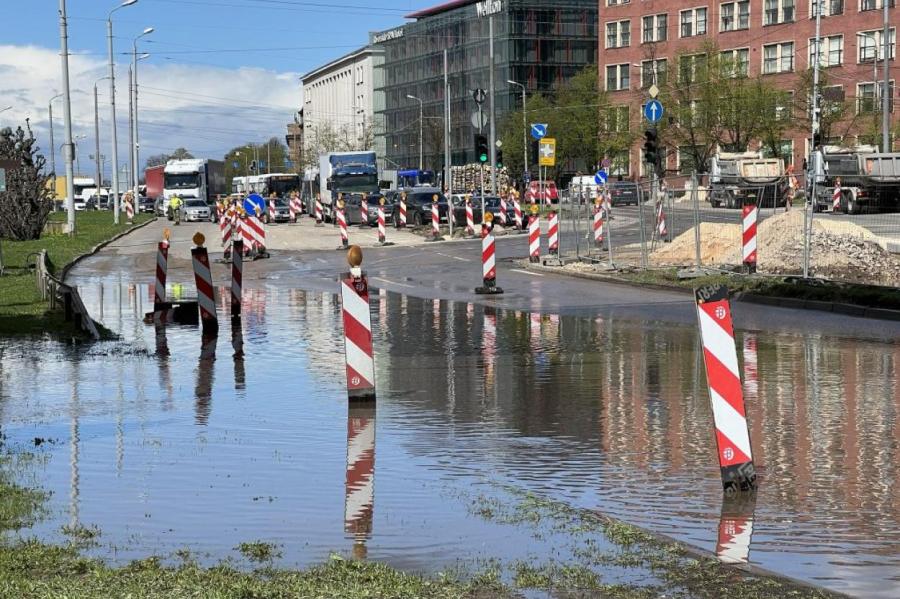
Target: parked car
x: 459, y: 208
x: 146, y: 204
x: 418, y: 206
x: 492, y: 205
x: 194, y: 210
x: 282, y: 211
x: 623, y: 192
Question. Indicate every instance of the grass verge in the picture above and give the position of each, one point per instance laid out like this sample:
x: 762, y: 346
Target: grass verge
x: 22, y: 312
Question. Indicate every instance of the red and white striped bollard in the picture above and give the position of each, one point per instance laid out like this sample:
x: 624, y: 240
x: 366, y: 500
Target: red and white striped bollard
x: 319, y: 222
x: 470, y: 218
x: 237, y: 278
x: 534, y: 236
x: 517, y: 209
x: 836, y: 196
x: 401, y: 222
x: 357, y: 330
x: 342, y: 225
x: 488, y: 260
x: 364, y: 213
x: 598, y: 224
x: 661, y: 228
x: 749, y: 214
x: 206, y: 293
x: 272, y: 211
x: 553, y: 234
x: 724, y: 382
x: 382, y: 229
x: 162, y: 269
x: 435, y: 220
x: 503, y: 219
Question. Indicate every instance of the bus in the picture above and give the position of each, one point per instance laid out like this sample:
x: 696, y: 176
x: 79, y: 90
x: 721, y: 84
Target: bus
x: 279, y: 184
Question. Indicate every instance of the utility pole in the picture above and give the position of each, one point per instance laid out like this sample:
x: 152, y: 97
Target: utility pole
x: 493, y: 138
x: 885, y: 93
x: 97, y: 145
x: 133, y: 167
x: 448, y: 176
x: 67, y: 112
x: 53, y: 147
x: 812, y: 162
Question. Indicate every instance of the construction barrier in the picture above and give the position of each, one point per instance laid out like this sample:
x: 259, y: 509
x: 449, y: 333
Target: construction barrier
x: 534, y: 237
x: 503, y: 219
x: 488, y: 260
x: 226, y: 232
x: 319, y: 222
x: 435, y: 221
x: 296, y: 207
x: 598, y: 224
x: 342, y: 225
x: 272, y: 211
x: 363, y: 213
x: 255, y: 231
x: 359, y: 488
x: 553, y: 234
x: 662, y: 230
x: 749, y: 215
x: 836, y: 196
x: 206, y: 295
x: 382, y: 230
x: 470, y: 219
x: 517, y: 209
x: 725, y: 392
x: 162, y: 269
x: 357, y: 330
x: 129, y: 208
x: 401, y: 222
x: 237, y: 277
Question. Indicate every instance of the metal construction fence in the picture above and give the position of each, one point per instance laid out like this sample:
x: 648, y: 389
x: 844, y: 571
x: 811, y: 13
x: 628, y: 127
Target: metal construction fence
x: 691, y: 225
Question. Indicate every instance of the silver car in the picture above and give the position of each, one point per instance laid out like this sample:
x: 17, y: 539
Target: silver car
x: 193, y: 210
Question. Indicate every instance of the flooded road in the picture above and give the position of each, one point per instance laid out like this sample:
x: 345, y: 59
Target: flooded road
x: 167, y: 442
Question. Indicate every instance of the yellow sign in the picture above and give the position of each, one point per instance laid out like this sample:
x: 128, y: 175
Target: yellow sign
x: 547, y: 152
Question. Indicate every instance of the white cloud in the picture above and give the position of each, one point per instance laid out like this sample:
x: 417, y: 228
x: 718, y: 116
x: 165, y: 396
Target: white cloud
x: 206, y: 109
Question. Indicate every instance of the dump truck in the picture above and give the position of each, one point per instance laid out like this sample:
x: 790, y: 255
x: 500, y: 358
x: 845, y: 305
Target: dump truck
x: 746, y: 177
x: 869, y: 179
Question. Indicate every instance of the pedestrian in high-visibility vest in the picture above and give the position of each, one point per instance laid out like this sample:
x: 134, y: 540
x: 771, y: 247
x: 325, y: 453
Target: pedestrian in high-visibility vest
x: 175, y: 207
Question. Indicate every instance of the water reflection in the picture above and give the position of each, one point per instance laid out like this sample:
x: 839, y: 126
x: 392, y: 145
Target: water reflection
x: 604, y: 413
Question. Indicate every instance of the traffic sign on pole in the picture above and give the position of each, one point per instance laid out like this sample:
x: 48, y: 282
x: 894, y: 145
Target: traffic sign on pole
x: 479, y: 95
x: 547, y: 152
x: 538, y: 130
x: 601, y: 177
x: 653, y: 111
x: 254, y: 202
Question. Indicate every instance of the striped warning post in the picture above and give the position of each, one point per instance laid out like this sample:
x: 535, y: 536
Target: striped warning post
x: 382, y: 231
x: 470, y: 218
x: 206, y: 293
x: 749, y: 214
x: 359, y: 489
x: 836, y: 196
x: 226, y: 232
x: 129, y: 207
x: 358, y: 338
x: 598, y: 225
x: 256, y: 230
x: 488, y: 263
x: 296, y: 207
x: 364, y: 213
x: 517, y: 209
x: 435, y: 220
x: 237, y: 278
x: 402, y: 220
x: 553, y: 234
x: 736, y: 528
x: 272, y: 210
x: 319, y: 222
x: 534, y: 239
x: 724, y: 382
x: 162, y: 269
x: 661, y: 228
x: 503, y: 220
x: 342, y: 224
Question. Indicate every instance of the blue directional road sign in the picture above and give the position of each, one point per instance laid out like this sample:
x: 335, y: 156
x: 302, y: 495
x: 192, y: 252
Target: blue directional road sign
x: 653, y: 111
x: 538, y: 130
x: 254, y: 201
x: 600, y: 178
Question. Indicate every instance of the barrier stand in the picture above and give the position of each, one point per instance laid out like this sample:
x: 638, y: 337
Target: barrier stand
x: 357, y: 330
x: 296, y: 207
x: 359, y: 486
x: 470, y: 219
x: 162, y: 269
x: 749, y: 214
x: 271, y: 211
x: 237, y: 278
x: 517, y: 209
x: 342, y: 223
x: 319, y: 222
x: 598, y: 223
x: 382, y: 228
x: 129, y: 207
x: 553, y: 234
x: 225, y: 230
x: 503, y: 219
x: 534, y: 235
x: 401, y: 222
x: 724, y: 382
x: 662, y: 230
x: 836, y: 196
x: 206, y: 293
x: 736, y: 528
x: 364, y: 212
x: 435, y: 220
x: 254, y: 226
x: 488, y: 259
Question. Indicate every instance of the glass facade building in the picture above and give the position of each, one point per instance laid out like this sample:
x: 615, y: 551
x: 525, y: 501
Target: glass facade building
x: 536, y: 43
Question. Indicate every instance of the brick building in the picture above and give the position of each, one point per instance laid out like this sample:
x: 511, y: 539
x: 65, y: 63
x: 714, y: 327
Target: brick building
x: 774, y: 38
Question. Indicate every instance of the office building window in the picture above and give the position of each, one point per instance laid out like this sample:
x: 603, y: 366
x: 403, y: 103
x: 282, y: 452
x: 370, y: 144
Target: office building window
x: 831, y: 53
x: 736, y: 63
x: 618, y: 34
x: 868, y: 97
x: 617, y: 77
x: 829, y: 7
x: 616, y: 2
x: 693, y: 22
x: 778, y: 58
x: 871, y: 45
x: 654, y: 28
x: 734, y: 16
x: 647, y: 71
x: 778, y: 11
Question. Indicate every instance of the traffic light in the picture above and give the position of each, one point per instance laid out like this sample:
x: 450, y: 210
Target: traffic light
x: 651, y: 147
x: 252, y: 166
x: 481, y: 148
x: 499, y: 158
x: 817, y: 139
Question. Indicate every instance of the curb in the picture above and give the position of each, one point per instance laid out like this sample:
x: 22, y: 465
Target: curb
x: 604, y: 278
x: 65, y: 270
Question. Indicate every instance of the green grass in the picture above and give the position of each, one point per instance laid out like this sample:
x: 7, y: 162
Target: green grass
x: 22, y: 312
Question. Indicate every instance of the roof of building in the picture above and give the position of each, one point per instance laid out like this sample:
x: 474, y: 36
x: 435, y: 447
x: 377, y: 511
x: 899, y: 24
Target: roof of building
x: 434, y: 10
x: 359, y: 52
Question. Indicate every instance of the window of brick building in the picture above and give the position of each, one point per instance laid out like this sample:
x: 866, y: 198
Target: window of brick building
x: 617, y: 77
x: 831, y: 53
x: 829, y: 8
x: 871, y: 46
x: 778, y: 58
x: 618, y: 34
x: 654, y: 28
x: 734, y: 16
x: 618, y: 119
x: 778, y: 11
x: 693, y: 22
x: 736, y: 63
x: 647, y: 68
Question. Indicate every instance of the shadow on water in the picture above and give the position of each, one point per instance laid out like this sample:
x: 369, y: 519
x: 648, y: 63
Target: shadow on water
x: 601, y: 413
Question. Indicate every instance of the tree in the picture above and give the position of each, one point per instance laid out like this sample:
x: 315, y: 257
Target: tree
x: 161, y: 159
x: 537, y: 109
x: 27, y: 201
x: 273, y: 150
x: 838, y: 116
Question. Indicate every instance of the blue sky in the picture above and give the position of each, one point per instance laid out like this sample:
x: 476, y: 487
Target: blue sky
x: 221, y: 72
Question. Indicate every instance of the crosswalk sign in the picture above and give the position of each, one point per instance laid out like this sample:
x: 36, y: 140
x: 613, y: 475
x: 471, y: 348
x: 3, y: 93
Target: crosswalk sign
x: 547, y: 152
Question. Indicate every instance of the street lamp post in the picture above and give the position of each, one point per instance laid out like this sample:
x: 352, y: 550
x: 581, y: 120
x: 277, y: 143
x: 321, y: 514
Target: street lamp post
x: 135, y: 148
x: 52, y: 146
x: 99, y: 171
x: 421, y: 131
x: 112, y: 108
x: 67, y: 113
x: 524, y: 126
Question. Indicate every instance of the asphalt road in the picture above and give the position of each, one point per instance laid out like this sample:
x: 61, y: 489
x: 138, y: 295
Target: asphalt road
x: 451, y: 270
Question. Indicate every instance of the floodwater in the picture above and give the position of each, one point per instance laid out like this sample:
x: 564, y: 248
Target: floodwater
x: 198, y: 444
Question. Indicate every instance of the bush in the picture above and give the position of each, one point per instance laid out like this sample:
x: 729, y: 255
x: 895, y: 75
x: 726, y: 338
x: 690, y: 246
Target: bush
x: 26, y: 203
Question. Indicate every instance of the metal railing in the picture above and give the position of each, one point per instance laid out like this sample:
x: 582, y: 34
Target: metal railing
x: 59, y: 294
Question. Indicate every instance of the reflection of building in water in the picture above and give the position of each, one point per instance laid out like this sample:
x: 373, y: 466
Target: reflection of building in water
x: 359, y: 489
x: 203, y: 389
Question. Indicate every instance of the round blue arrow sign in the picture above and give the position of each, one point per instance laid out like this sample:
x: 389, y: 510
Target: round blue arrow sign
x: 254, y: 201
x: 538, y: 130
x: 600, y: 178
x: 653, y: 111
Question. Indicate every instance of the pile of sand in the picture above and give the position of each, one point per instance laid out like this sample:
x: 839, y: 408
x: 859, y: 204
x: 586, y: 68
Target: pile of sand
x: 838, y: 249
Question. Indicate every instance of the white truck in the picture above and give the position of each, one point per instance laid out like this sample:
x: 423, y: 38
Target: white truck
x: 194, y: 178
x: 870, y: 180
x: 739, y: 177
x: 348, y: 173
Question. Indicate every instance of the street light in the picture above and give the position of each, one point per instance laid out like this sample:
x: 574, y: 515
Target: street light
x: 99, y: 171
x: 421, y: 131
x: 524, y: 126
x: 135, y: 142
x: 112, y: 108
